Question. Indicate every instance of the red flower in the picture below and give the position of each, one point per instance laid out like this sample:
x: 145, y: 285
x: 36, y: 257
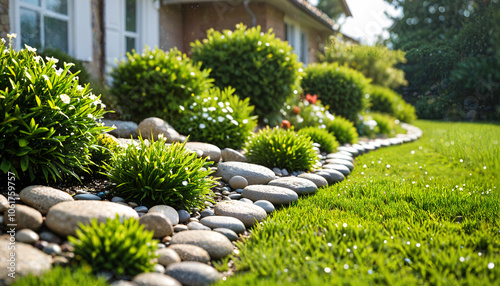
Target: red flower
x: 311, y: 98
x: 285, y: 124
x: 296, y: 109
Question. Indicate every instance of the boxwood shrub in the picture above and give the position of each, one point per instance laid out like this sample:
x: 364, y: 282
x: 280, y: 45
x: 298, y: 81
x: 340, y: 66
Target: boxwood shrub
x: 257, y: 64
x: 343, y: 89
x: 218, y: 117
x: 327, y: 141
x: 155, y: 83
x: 47, y: 120
x: 385, y: 100
x: 343, y: 130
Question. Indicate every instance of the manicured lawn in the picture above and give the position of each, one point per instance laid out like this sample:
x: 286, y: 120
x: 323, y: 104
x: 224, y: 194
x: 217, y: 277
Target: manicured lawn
x: 425, y: 212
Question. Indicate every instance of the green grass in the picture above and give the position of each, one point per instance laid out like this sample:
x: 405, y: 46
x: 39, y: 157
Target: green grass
x: 408, y: 215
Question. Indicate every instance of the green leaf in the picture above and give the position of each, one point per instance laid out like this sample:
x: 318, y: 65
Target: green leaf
x: 5, y: 166
x: 24, y: 163
x: 23, y: 142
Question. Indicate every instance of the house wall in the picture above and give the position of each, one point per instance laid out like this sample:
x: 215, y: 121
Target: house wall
x: 171, y: 27
x: 316, y: 42
x: 4, y: 19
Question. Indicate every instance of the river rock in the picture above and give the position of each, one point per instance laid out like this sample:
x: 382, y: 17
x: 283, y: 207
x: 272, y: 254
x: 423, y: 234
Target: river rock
x: 197, y: 226
x: 192, y: 273
x: 352, y: 151
x: 334, y: 174
x: 168, y: 211
x: 360, y: 148
x: 247, y: 213
x: 86, y: 197
x: 24, y: 217
x: 341, y: 168
x: 189, y: 252
x: 158, y: 223
x: 266, y: 205
x: 123, y: 129
x: 168, y: 256
x: 27, y: 236
x: 28, y: 260
x: 299, y: 185
x: 238, y: 182
x: 231, y: 235
x: 42, y: 197
x: 317, y: 180
x: 209, y: 150
x: 255, y: 174
x: 184, y: 216
x: 216, y: 244
x: 231, y: 223
x: 346, y: 163
x: 4, y: 204
x: 229, y: 154
x: 64, y: 217
x: 154, y: 126
x: 342, y: 156
x: 274, y: 194
x: 155, y: 279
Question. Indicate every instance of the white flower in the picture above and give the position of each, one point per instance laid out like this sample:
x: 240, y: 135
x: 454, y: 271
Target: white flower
x: 52, y: 59
x: 202, y: 126
x: 205, y: 115
x: 230, y: 109
x: 224, y: 110
x: 181, y: 107
x: 234, y: 122
x: 229, y: 117
x: 45, y: 77
x: 13, y: 35
x: 212, y: 108
x: 193, y: 74
x: 31, y: 49
x: 37, y: 59
x: 90, y: 115
x: 299, y: 119
x: 221, y: 104
x: 59, y: 72
x: 245, y: 121
x: 220, y: 118
x: 65, y: 98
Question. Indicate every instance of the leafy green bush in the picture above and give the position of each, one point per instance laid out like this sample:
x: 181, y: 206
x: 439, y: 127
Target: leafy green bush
x: 257, y: 64
x: 281, y: 148
x: 61, y: 276
x: 343, y: 130
x: 385, y: 100
x: 103, y: 152
x: 77, y: 69
x: 341, y: 88
x: 121, y: 248
x: 375, y: 62
x: 155, y: 83
x: 327, y: 141
x: 47, y: 120
x: 305, y: 112
x: 218, y: 117
x: 157, y: 173
x: 385, y: 123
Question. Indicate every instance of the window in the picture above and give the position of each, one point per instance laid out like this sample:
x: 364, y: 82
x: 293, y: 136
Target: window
x: 297, y: 39
x: 44, y: 24
x: 130, y: 31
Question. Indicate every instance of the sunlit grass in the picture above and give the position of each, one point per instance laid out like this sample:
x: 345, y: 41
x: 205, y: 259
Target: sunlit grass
x: 408, y: 215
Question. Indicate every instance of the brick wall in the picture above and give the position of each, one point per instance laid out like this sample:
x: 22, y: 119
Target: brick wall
x: 4, y: 19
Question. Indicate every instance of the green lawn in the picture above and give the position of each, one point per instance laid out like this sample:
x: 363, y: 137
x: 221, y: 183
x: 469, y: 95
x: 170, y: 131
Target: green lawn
x: 425, y: 212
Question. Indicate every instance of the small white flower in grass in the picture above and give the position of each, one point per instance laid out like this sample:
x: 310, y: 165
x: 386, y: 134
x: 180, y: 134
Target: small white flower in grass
x: 220, y: 118
x: 370, y: 271
x: 346, y: 266
x: 417, y: 245
x: 184, y: 183
x: 388, y: 166
x: 224, y: 110
x: 65, y: 98
x: 229, y: 117
x: 235, y: 122
x: 202, y: 126
x: 205, y: 115
x: 327, y: 270
x: 461, y: 160
x: 221, y: 104
x: 484, y: 167
x: 345, y: 224
x: 462, y: 259
x: 211, y: 108
x: 245, y: 121
x: 181, y: 107
x: 412, y: 152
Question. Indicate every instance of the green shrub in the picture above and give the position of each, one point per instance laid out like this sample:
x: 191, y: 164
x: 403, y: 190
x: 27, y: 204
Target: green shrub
x: 385, y: 123
x: 155, y: 83
x: 103, y: 152
x: 157, y: 173
x: 77, y: 69
x: 47, y: 120
x: 343, y: 130
x: 257, y: 64
x: 120, y: 248
x: 281, y: 148
x: 385, y: 100
x: 305, y: 112
x: 341, y: 88
x: 437, y: 107
x: 61, y: 276
x: 376, y: 62
x: 327, y: 141
x: 218, y: 117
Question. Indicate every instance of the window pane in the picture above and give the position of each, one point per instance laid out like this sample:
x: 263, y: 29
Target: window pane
x: 130, y: 44
x: 32, y: 2
x: 59, y: 6
x: 30, y: 28
x: 56, y: 34
x: 130, y: 16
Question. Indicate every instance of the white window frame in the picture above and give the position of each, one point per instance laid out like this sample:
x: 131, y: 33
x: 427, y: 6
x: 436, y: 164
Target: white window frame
x: 294, y: 33
x: 138, y: 24
x: 79, y: 20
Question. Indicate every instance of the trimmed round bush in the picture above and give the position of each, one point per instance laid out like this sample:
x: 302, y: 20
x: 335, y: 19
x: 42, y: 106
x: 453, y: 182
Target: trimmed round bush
x: 281, y: 148
x: 385, y: 100
x: 47, y: 120
x: 343, y: 130
x: 343, y: 89
x: 155, y: 173
x: 257, y: 64
x: 155, y: 83
x: 62, y: 276
x: 218, y: 117
x: 327, y: 141
x: 120, y: 248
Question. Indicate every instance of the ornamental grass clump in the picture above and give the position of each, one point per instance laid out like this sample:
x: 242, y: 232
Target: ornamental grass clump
x: 103, y: 152
x: 47, y: 120
x: 120, y: 248
x: 218, y: 117
x: 156, y: 173
x: 257, y: 64
x: 327, y: 141
x: 62, y: 276
x: 155, y: 83
x: 281, y: 148
x: 343, y: 130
